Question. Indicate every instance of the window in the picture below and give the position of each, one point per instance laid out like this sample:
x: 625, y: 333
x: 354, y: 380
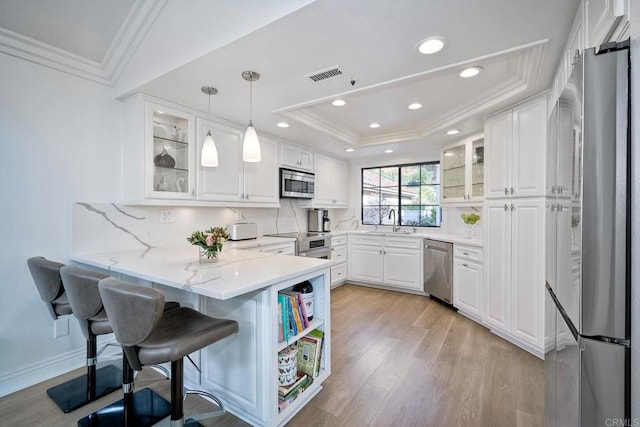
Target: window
x: 412, y: 191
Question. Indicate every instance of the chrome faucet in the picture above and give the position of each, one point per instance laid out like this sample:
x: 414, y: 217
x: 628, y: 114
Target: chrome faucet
x: 395, y: 227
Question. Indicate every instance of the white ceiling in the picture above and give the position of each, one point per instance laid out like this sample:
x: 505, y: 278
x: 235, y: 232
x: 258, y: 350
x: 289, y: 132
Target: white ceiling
x: 518, y: 42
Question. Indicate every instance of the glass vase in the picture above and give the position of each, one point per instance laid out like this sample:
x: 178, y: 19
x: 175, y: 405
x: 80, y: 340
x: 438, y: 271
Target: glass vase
x: 471, y: 231
x: 204, y: 259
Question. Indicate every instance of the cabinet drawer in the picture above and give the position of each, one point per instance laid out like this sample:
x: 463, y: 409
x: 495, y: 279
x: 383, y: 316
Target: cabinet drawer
x: 280, y: 248
x: 467, y: 252
x: 339, y: 240
x: 339, y: 254
x: 338, y: 273
x: 402, y: 242
x: 364, y: 239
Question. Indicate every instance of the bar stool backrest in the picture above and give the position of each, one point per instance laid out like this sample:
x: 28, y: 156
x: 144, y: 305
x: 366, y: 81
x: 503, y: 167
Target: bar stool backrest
x: 46, y: 276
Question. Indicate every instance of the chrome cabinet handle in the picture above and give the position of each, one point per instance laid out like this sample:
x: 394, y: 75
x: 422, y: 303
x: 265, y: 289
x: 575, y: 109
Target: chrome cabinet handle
x: 553, y: 189
x: 465, y: 265
x: 465, y: 253
x: 511, y: 190
x: 512, y: 208
x: 553, y: 208
x: 506, y: 208
x: 506, y: 190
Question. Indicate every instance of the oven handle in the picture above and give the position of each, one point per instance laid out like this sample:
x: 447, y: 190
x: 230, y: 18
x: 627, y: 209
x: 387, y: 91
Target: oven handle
x: 313, y: 253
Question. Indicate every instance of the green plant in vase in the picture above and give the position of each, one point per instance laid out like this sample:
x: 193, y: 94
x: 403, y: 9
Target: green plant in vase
x: 470, y: 219
x: 210, y: 241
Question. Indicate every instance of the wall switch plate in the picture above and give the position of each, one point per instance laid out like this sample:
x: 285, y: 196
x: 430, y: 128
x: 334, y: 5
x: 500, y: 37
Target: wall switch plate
x: 166, y: 215
x: 61, y: 327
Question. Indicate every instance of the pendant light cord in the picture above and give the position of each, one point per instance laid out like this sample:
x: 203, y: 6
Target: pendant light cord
x: 251, y: 102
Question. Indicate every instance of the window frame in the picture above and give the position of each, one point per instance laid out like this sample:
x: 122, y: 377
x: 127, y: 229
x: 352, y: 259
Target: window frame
x: 399, y: 202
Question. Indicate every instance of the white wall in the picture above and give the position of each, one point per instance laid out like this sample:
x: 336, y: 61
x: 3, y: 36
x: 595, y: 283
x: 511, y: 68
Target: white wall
x: 59, y: 141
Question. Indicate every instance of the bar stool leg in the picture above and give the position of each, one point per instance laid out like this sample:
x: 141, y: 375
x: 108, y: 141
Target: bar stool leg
x: 92, y: 356
x: 177, y: 384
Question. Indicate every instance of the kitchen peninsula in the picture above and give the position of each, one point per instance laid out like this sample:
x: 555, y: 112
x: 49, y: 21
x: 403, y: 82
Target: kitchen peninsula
x: 241, y: 285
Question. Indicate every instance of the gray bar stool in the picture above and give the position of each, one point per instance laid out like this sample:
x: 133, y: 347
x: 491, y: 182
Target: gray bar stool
x: 149, y: 336
x: 82, y: 290
x: 81, y: 390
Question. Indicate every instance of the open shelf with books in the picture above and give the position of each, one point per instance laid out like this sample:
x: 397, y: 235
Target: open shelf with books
x: 303, y: 351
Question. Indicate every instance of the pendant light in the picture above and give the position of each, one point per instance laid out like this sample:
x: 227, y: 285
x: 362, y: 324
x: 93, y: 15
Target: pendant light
x: 251, y: 145
x: 209, y: 155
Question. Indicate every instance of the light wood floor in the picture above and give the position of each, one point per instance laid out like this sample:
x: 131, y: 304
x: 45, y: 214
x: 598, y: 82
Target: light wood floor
x: 397, y: 360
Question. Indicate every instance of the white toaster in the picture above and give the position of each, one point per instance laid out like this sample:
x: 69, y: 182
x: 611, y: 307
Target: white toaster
x: 242, y: 231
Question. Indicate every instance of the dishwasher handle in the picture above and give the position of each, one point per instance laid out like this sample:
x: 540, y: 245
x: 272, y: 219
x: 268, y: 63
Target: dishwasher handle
x: 436, y: 248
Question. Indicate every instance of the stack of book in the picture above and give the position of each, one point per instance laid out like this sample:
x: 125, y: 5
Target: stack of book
x: 292, y: 316
x: 287, y: 394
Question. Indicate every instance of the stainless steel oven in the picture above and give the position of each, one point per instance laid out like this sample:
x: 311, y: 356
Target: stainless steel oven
x: 296, y: 184
x: 323, y: 253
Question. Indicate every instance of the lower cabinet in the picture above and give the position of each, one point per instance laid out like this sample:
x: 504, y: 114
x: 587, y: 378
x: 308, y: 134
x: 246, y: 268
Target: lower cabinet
x: 386, y: 260
x: 467, y: 281
x: 339, y: 257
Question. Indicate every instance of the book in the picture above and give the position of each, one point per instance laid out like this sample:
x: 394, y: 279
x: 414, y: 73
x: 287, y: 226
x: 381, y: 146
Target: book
x: 292, y: 321
x: 319, y: 335
x: 285, y: 391
x: 307, y: 354
x: 280, y: 328
x: 285, y: 317
x: 293, y: 301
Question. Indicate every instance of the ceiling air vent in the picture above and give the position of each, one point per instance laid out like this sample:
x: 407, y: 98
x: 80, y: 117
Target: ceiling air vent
x: 329, y: 73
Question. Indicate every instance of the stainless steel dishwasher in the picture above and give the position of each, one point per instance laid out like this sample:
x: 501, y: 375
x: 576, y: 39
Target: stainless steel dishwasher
x: 438, y: 269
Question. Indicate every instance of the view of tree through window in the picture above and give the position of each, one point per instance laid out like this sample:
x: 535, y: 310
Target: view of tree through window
x: 412, y: 191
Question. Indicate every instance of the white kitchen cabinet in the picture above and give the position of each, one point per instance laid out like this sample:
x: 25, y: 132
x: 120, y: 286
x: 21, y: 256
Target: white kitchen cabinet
x: 234, y: 180
x: 339, y: 257
x: 292, y: 156
x: 515, y: 144
x: 365, y: 258
x: 514, y: 271
x: 288, y: 248
x: 462, y: 169
x: 386, y: 260
x: 467, y: 281
x: 158, y: 159
x: 332, y: 183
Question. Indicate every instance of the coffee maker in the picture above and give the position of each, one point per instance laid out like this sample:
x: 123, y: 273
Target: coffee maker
x: 319, y: 220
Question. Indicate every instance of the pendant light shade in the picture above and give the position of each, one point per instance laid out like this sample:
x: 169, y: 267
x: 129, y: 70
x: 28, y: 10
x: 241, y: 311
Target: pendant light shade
x: 209, y: 154
x: 251, y: 145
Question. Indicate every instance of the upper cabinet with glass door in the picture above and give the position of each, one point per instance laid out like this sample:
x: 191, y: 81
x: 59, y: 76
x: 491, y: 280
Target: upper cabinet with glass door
x: 158, y: 151
x: 463, y: 173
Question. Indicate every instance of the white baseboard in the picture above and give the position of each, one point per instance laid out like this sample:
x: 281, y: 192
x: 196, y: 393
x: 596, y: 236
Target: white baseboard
x: 44, y: 370
x: 535, y: 351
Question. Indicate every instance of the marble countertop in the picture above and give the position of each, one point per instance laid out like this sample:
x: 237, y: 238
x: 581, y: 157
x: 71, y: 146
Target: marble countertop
x: 235, y: 272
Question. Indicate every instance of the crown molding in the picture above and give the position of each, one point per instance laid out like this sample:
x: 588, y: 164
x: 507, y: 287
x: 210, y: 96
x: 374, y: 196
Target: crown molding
x: 134, y: 27
x: 525, y: 65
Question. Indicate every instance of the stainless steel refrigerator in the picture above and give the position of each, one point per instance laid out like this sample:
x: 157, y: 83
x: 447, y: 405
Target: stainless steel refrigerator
x: 588, y: 241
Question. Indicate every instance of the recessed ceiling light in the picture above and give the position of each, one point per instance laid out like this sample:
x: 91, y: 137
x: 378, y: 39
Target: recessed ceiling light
x: 388, y: 151
x: 470, y: 72
x: 374, y: 125
x: 453, y: 132
x: 349, y: 150
x: 431, y: 45
x: 283, y: 125
x: 338, y: 102
x: 415, y: 106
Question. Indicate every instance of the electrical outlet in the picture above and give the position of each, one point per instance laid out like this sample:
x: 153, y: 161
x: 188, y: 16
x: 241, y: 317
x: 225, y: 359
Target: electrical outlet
x: 166, y: 215
x: 61, y: 327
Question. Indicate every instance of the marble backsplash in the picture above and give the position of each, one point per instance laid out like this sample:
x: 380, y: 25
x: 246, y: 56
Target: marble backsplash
x: 101, y: 227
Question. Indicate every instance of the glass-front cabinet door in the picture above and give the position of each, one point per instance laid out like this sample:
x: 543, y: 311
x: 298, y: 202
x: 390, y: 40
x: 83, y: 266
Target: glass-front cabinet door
x: 463, y: 173
x: 170, y: 153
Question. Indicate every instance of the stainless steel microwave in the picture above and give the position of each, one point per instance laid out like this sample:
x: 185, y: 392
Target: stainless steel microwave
x: 296, y: 184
